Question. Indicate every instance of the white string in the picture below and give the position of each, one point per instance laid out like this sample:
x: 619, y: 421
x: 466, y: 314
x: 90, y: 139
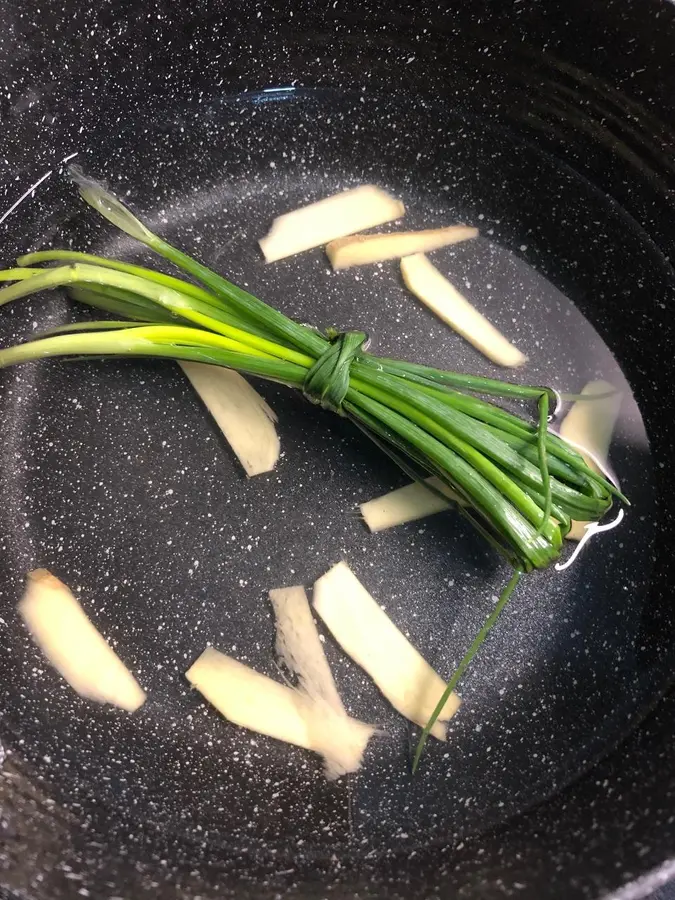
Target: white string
x: 591, y: 529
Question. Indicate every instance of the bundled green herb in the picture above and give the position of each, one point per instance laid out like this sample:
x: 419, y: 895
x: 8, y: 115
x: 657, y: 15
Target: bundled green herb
x: 520, y: 485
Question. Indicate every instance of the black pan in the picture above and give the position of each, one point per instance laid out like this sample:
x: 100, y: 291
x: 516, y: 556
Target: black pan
x: 115, y: 479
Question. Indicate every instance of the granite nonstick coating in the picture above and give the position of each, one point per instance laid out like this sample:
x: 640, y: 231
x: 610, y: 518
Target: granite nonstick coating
x: 590, y: 84
x: 116, y: 479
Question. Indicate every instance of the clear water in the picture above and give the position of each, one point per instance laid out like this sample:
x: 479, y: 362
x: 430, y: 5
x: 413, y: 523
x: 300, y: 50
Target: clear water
x: 115, y: 479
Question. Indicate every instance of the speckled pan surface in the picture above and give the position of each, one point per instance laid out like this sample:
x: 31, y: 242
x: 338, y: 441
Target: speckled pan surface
x: 114, y: 477
x: 119, y: 482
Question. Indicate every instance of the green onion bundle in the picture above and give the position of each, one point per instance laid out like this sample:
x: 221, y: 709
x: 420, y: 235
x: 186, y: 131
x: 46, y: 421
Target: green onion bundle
x: 520, y: 485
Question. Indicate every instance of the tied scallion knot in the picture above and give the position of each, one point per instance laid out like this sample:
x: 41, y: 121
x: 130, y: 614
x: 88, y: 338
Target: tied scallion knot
x: 327, y: 382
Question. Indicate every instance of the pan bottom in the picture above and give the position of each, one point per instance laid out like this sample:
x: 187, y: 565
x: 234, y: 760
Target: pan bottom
x: 115, y: 479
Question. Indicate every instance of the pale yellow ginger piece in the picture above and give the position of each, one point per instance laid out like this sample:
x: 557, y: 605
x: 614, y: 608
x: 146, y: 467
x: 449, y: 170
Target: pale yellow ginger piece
x: 424, y: 280
x: 367, y: 634
x: 407, y: 504
x: 245, y: 419
x: 361, y: 249
x: 68, y: 639
x: 336, y: 216
x: 252, y: 700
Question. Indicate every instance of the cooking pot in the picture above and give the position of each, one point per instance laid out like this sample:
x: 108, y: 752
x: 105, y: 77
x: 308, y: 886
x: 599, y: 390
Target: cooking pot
x: 549, y: 126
